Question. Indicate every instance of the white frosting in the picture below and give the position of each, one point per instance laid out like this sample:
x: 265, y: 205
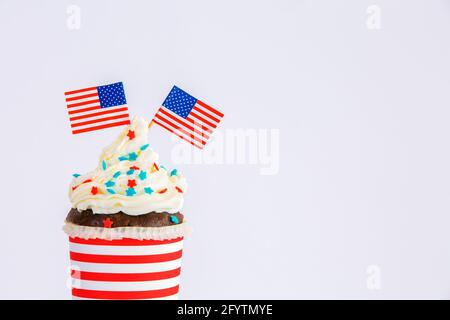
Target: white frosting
x: 156, y: 189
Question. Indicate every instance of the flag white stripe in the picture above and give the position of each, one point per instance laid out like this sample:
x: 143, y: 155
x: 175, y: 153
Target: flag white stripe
x: 102, y: 123
x: 126, y: 267
x: 94, y: 104
x: 80, y: 94
x: 94, y: 112
x: 101, y: 116
x: 69, y: 103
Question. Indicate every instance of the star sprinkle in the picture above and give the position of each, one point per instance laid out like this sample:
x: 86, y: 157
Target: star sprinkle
x: 117, y: 174
x: 104, y: 165
x: 76, y: 175
x: 145, y: 146
x: 130, y: 192
x: 130, y: 172
x: 131, y: 183
x: 110, y: 184
x: 94, y: 190
x: 132, y: 156
x: 174, y: 219
x: 179, y: 189
x: 131, y: 134
x: 148, y: 190
x: 174, y: 172
x: 111, y: 191
x: 163, y: 190
x: 107, y: 223
x: 143, y: 175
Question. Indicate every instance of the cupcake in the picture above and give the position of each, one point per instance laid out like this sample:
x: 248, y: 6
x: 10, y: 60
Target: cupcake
x: 125, y: 227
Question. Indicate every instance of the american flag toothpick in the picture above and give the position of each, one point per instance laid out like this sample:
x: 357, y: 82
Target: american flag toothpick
x: 96, y: 108
x: 188, y: 117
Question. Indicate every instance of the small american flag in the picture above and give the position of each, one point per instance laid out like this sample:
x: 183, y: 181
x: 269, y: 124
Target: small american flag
x: 188, y: 117
x: 97, y: 108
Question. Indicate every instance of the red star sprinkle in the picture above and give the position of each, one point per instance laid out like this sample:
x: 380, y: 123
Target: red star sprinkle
x: 179, y: 190
x: 131, y: 134
x: 94, y: 190
x: 132, y: 183
x: 107, y: 223
x: 162, y: 191
x: 134, y: 168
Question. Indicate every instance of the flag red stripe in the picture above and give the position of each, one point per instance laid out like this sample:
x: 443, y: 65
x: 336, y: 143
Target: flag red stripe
x: 204, y: 128
x: 78, y: 91
x: 85, y: 109
x: 82, y: 97
x: 191, y: 135
x: 204, y: 105
x: 109, y: 125
x: 119, y: 277
x: 123, y: 242
x: 202, y: 119
x: 99, y: 258
x: 100, y: 113
x: 124, y: 295
x: 79, y: 124
x: 82, y: 103
x: 206, y: 114
x: 167, y: 128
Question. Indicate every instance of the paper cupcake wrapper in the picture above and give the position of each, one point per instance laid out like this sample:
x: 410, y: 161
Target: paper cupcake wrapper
x: 141, y: 233
x: 125, y: 269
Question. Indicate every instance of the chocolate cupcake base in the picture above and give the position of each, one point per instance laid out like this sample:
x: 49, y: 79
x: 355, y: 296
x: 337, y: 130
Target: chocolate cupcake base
x: 120, y: 219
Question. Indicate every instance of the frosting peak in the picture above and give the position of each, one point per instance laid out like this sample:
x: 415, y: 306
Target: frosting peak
x: 128, y: 178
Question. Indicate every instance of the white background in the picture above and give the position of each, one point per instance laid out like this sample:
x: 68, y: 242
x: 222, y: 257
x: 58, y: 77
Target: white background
x: 364, y: 126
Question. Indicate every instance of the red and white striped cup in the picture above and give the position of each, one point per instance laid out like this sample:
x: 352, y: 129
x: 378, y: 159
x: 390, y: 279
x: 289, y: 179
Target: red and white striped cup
x: 125, y: 269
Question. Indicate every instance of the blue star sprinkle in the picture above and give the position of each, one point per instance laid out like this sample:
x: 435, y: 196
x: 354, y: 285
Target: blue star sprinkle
x: 132, y: 156
x: 130, y: 192
x: 110, y: 184
x: 174, y: 219
x: 148, y: 190
x: 143, y: 175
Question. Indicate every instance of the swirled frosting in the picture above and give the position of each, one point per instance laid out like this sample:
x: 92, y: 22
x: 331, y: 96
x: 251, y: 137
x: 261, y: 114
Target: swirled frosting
x: 129, y: 178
